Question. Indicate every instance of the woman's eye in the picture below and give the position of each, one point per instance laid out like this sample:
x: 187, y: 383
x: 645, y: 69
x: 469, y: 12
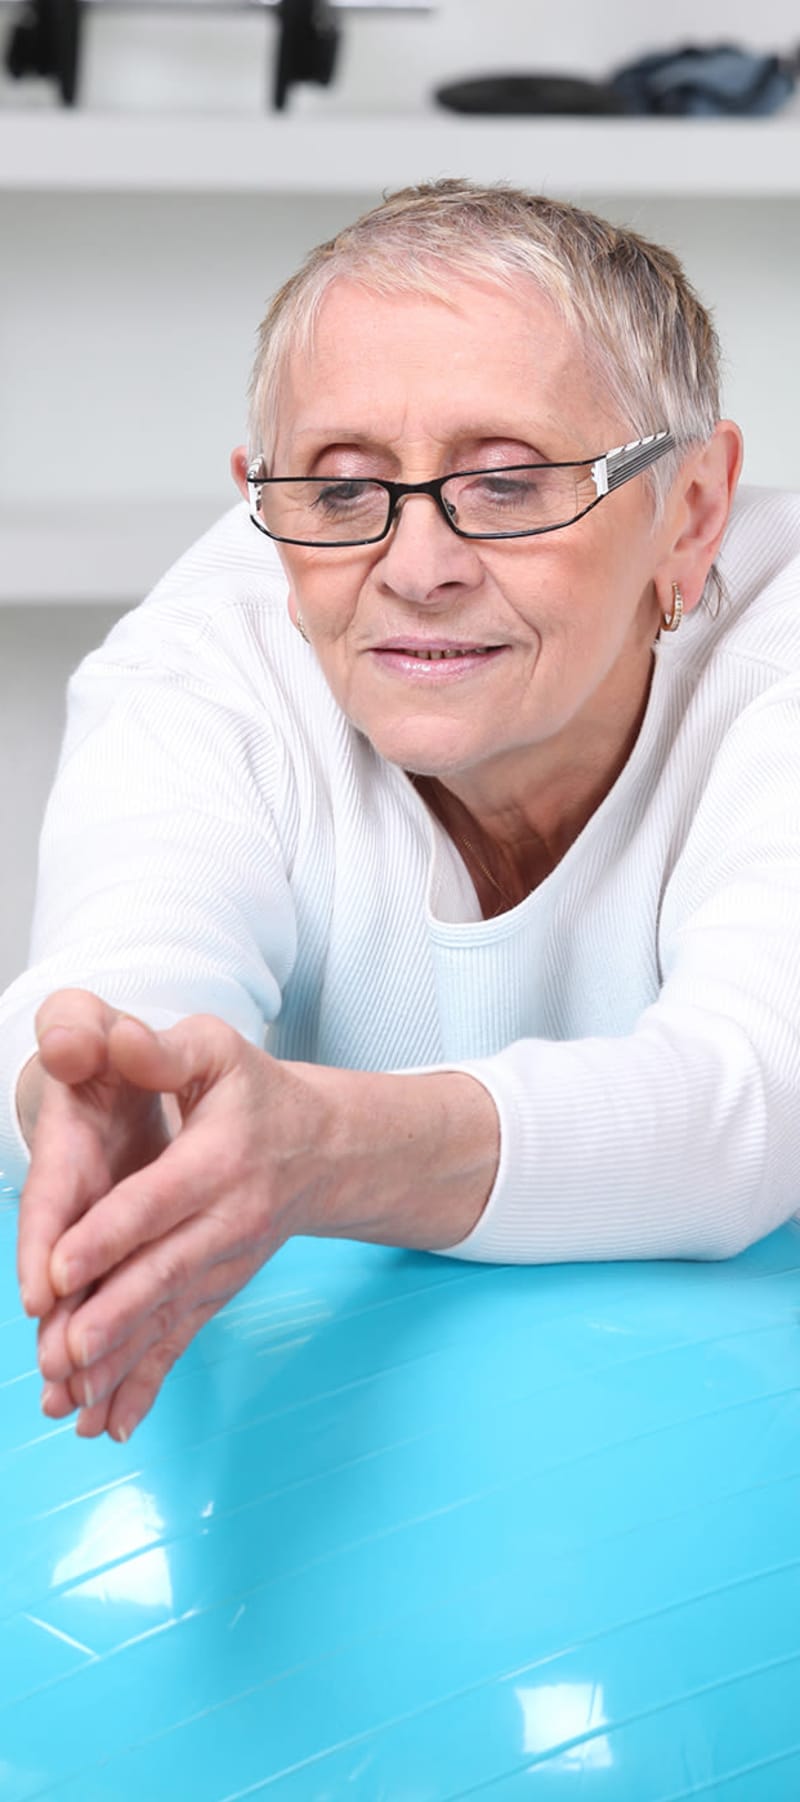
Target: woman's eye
x: 499, y: 488
x: 339, y: 497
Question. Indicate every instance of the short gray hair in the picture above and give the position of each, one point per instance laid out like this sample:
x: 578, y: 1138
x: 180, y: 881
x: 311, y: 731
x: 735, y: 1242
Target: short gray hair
x: 651, y: 340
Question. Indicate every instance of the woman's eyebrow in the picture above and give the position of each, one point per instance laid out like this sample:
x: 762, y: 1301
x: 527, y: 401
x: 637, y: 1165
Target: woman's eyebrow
x: 323, y: 438
x: 505, y: 441
x: 467, y: 441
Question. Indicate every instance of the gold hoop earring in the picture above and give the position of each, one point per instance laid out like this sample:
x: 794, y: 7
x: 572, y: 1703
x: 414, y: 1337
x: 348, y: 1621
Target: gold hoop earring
x: 301, y: 628
x: 671, y: 621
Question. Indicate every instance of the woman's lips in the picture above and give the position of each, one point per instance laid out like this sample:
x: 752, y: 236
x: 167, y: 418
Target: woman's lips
x: 432, y: 662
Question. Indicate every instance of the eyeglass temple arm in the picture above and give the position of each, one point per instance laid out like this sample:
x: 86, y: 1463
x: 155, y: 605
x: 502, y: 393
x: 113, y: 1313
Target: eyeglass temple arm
x: 618, y: 466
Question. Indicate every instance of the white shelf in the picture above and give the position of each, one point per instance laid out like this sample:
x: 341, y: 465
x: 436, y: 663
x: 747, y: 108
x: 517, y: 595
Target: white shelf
x: 95, y: 553
x: 84, y: 152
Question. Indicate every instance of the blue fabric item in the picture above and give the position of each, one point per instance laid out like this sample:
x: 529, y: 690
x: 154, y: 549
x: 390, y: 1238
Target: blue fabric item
x: 406, y: 1529
x: 720, y: 79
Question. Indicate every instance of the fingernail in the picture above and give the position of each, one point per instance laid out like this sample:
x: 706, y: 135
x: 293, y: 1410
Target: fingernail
x: 92, y: 1345
x: 24, y: 1295
x: 47, y: 1397
x: 69, y: 1275
x: 123, y: 1433
x: 89, y: 1395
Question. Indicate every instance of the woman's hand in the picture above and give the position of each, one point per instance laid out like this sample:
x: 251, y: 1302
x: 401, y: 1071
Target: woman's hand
x: 89, y: 1128
x: 129, y: 1242
x: 126, y: 1257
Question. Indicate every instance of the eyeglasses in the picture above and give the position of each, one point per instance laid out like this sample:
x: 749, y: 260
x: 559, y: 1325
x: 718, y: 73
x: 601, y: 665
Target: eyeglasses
x: 517, y: 501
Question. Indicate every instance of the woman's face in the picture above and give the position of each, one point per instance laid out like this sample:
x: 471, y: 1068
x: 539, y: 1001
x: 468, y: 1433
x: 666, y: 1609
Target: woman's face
x: 408, y: 388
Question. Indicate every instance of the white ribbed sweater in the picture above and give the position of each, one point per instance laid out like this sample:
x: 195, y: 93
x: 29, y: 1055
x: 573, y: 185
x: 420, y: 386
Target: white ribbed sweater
x: 219, y: 839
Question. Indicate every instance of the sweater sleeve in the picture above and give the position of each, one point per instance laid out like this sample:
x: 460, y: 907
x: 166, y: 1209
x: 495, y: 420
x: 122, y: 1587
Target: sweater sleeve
x: 681, y: 1139
x: 163, y: 862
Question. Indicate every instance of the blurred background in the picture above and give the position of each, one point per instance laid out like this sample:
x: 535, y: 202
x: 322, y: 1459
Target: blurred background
x: 143, y: 228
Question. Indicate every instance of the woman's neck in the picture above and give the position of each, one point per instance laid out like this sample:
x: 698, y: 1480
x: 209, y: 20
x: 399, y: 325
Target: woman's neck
x: 512, y: 826
x: 503, y: 871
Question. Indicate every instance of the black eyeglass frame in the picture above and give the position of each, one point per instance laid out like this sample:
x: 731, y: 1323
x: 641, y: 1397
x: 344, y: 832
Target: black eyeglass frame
x: 609, y: 471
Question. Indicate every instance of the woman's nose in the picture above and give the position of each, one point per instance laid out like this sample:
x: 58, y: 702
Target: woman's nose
x: 422, y: 554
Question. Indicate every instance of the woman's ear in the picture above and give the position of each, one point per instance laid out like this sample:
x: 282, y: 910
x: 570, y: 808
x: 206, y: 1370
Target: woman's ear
x: 699, y: 513
x: 240, y: 461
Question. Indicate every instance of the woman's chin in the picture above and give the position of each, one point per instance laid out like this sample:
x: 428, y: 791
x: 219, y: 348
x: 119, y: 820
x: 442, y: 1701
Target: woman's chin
x: 421, y: 757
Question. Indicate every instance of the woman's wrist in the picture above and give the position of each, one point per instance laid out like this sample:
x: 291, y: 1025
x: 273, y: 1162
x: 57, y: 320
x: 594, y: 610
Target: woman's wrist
x: 413, y: 1159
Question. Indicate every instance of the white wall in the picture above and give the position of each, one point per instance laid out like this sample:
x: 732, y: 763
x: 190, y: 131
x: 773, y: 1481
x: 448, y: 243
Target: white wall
x: 127, y: 323
x: 128, y: 327
x: 38, y: 649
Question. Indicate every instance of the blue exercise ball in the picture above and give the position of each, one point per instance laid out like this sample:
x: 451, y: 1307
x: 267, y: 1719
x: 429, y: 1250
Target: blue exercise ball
x: 401, y: 1529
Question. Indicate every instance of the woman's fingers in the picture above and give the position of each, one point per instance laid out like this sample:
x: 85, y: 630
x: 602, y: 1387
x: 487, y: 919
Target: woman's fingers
x: 55, y: 1360
x: 167, y: 1238
x: 142, y: 1214
x: 57, y: 1401
x: 71, y: 1030
x: 167, y: 1229
x: 69, y: 1165
x: 147, y: 1299
x: 65, y: 1177
x: 189, y: 1056
x: 97, y: 1384
x: 79, y: 1022
x: 139, y: 1210
x: 137, y: 1392
x: 91, y: 1422
x: 98, y: 1381
x: 141, y: 1364
x: 190, y: 1059
x: 121, y: 1411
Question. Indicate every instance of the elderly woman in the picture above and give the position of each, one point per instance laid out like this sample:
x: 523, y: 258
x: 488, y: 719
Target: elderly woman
x: 424, y: 866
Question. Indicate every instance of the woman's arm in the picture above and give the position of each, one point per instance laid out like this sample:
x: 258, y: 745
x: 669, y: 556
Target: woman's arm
x: 680, y: 1139
x: 128, y: 1242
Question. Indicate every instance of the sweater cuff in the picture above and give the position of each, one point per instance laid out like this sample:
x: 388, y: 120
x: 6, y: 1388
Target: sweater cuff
x: 19, y: 1046
x: 493, y: 1237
